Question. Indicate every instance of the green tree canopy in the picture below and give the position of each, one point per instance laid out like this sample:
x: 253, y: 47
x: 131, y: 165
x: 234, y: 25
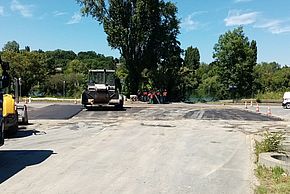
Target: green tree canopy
x: 192, y: 58
x: 11, y: 46
x: 144, y: 31
x: 236, y: 57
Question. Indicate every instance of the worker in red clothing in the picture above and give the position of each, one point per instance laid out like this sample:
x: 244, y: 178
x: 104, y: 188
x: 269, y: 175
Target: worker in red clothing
x: 164, y: 96
x: 145, y: 96
x: 151, y: 97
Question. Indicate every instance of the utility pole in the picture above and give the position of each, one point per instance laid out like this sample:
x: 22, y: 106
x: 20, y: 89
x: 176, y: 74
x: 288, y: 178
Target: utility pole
x: 20, y: 87
x: 63, y: 92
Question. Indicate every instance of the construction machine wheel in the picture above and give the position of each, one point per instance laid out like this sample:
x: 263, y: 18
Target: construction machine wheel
x: 2, y: 133
x: 89, y: 108
x: 13, y: 129
x: 120, y: 106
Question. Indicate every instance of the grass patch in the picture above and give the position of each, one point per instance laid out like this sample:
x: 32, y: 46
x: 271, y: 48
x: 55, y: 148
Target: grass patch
x: 270, y: 95
x: 272, y: 180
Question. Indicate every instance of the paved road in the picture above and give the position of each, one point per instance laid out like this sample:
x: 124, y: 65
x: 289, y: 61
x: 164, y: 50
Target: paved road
x: 276, y: 110
x: 161, y: 112
x: 152, y: 149
x: 54, y: 111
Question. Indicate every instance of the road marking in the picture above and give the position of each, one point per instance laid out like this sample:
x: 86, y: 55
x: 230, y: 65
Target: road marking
x: 201, y: 113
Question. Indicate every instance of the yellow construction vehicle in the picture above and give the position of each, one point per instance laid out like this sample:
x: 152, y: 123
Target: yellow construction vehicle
x: 11, y: 112
x: 4, y: 83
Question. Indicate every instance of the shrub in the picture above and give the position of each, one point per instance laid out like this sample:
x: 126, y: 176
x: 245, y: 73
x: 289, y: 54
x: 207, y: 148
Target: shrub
x: 272, y: 142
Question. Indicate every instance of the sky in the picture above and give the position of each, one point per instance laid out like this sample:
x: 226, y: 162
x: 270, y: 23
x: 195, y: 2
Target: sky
x: 58, y: 24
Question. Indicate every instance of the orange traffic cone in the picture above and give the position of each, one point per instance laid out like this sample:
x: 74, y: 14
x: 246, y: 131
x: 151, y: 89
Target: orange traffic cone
x: 269, y: 113
x: 257, y: 108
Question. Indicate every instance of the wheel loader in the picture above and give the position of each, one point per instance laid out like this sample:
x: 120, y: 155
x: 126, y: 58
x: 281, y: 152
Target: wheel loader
x: 4, y: 83
x: 11, y: 113
x: 104, y: 89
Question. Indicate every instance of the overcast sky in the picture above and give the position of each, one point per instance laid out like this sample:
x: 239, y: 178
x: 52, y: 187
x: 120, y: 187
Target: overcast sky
x: 57, y: 24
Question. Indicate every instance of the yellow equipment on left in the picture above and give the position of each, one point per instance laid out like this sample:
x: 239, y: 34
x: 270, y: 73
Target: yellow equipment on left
x: 9, y: 121
x: 10, y: 114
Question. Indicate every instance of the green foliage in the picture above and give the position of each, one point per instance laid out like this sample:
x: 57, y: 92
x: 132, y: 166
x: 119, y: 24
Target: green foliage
x: 271, y: 80
x: 11, y: 46
x: 272, y: 142
x: 235, y: 57
x: 44, y: 73
x: 192, y: 58
x: 188, y: 71
x: 272, y: 180
x: 145, y: 32
x: 29, y: 66
x: 270, y: 96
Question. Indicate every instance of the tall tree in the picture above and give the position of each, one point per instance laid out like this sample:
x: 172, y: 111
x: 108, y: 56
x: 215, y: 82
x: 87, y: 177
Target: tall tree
x: 167, y: 52
x: 11, y: 46
x: 236, y: 58
x: 29, y: 66
x: 192, y: 58
x: 136, y: 29
x: 188, y: 70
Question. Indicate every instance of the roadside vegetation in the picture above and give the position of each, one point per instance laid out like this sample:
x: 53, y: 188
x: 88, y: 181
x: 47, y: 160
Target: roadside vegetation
x: 272, y: 180
x: 271, y: 142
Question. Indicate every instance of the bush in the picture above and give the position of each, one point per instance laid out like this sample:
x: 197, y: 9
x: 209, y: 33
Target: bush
x: 270, y: 96
x: 272, y: 142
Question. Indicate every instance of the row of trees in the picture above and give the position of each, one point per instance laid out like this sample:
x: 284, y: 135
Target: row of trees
x: 52, y: 73
x: 145, y: 32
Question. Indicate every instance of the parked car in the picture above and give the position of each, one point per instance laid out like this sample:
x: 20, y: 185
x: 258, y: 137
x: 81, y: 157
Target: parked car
x: 286, y: 100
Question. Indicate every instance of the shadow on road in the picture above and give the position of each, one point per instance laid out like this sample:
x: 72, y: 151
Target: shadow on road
x: 25, y: 133
x: 22, y: 132
x: 13, y: 161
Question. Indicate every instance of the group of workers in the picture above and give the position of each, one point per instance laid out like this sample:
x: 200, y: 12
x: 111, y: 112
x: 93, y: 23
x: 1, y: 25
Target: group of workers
x: 153, y: 96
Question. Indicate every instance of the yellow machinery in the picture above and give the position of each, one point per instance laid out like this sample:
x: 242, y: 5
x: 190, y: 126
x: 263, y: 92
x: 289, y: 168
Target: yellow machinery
x: 10, y: 114
x: 4, y: 83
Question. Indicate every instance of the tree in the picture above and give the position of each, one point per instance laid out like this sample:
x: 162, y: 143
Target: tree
x: 29, y: 66
x: 136, y: 29
x: 264, y: 76
x: 167, y: 52
x: 236, y: 57
x: 188, y: 70
x: 192, y: 58
x: 27, y: 48
x: 11, y: 46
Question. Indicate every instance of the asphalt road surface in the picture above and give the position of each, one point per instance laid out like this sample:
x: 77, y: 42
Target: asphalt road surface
x: 143, y: 149
x: 54, y: 111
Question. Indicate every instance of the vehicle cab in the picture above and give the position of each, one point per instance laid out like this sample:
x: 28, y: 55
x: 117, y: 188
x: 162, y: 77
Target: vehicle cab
x: 286, y: 100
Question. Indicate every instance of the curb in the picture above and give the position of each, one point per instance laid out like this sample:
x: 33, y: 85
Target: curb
x: 272, y: 159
